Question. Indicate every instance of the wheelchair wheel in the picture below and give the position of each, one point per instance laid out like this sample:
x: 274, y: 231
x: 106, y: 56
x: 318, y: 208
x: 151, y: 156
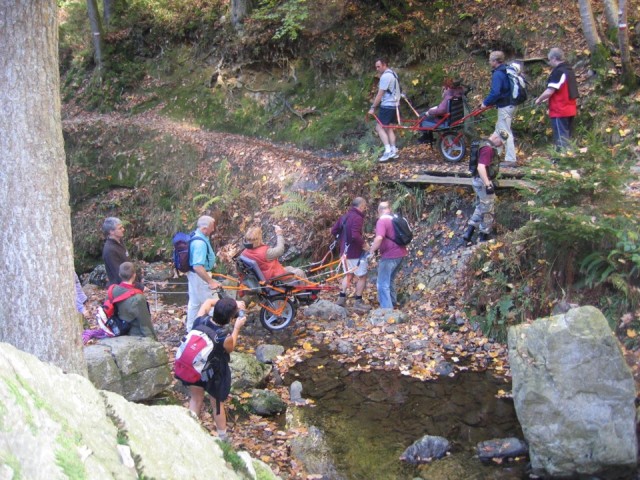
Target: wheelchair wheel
x: 452, y: 146
x: 273, y: 321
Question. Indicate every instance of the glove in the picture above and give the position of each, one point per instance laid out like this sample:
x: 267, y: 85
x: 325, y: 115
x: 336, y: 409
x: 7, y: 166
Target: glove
x: 490, y: 189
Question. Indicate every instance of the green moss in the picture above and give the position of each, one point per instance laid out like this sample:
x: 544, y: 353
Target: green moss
x: 67, y: 456
x: 17, y: 391
x: 10, y: 460
x: 233, y: 459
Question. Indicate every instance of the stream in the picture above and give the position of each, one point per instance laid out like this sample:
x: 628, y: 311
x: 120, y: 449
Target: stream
x: 370, y: 418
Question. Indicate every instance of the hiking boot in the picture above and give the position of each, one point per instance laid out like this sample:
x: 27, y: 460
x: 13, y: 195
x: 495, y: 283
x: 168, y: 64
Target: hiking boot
x: 468, y: 233
x: 361, y: 307
x: 386, y: 157
x: 342, y: 301
x: 483, y: 237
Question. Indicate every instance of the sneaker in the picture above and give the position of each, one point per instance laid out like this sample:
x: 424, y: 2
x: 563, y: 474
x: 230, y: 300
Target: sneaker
x: 394, y: 152
x: 386, y: 157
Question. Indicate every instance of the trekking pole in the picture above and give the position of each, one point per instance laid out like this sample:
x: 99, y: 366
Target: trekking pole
x: 410, y: 106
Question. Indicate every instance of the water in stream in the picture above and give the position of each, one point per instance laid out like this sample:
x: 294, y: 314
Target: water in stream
x: 369, y: 418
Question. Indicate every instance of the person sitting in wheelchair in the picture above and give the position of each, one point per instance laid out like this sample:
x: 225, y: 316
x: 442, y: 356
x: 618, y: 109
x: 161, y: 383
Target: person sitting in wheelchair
x: 267, y: 257
x: 450, y: 89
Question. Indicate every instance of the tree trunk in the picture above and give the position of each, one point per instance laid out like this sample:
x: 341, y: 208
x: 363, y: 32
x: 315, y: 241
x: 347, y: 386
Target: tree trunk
x: 611, y: 14
x: 107, y: 9
x: 628, y: 76
x: 96, y: 32
x: 239, y: 10
x: 589, y: 25
x: 37, y: 312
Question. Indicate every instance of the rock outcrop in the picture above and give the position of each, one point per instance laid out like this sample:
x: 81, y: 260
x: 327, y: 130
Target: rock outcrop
x: 55, y: 426
x: 574, y: 395
x: 135, y: 367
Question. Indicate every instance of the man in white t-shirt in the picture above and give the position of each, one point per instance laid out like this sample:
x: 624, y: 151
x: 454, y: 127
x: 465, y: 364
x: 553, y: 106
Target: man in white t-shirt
x: 388, y: 99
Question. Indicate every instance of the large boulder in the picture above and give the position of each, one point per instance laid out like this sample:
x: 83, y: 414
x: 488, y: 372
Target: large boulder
x: 135, y: 367
x: 56, y: 426
x: 247, y: 372
x: 574, y: 395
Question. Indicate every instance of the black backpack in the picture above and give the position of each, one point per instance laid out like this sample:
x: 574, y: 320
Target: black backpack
x: 474, y: 153
x: 402, y: 230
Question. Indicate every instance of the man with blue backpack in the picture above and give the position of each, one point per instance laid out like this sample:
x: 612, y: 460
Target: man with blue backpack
x: 500, y: 95
x: 202, y: 259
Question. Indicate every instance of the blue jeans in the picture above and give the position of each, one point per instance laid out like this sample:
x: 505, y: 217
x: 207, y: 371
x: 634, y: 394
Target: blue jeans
x: 388, y: 268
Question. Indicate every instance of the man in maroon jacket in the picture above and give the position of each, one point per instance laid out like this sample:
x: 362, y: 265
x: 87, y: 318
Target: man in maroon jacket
x: 353, y: 249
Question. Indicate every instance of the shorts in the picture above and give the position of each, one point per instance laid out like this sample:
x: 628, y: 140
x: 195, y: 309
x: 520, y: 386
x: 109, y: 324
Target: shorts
x: 360, y: 269
x: 387, y: 115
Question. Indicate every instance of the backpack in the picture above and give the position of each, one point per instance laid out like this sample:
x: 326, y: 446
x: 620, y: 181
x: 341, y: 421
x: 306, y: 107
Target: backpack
x: 518, y: 84
x: 474, y: 154
x: 402, y: 230
x: 397, y: 85
x: 193, y: 355
x: 108, y: 318
x: 181, y: 242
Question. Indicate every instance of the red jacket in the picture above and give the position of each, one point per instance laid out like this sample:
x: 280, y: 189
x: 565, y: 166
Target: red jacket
x: 270, y: 268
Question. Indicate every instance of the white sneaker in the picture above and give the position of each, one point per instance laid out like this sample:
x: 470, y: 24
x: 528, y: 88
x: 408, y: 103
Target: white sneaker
x: 394, y: 152
x: 386, y: 157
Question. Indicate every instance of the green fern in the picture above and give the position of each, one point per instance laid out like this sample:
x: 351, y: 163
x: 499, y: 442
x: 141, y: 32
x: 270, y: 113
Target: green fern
x: 296, y: 206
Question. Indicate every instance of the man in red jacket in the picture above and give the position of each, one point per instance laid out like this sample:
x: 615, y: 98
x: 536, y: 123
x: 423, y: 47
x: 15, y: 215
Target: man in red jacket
x: 561, y: 92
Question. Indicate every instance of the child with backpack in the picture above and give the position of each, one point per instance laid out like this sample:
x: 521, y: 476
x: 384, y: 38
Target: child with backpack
x: 213, y: 319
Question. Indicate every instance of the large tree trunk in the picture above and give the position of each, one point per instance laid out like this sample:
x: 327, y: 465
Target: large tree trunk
x: 96, y: 32
x: 37, y: 311
x: 628, y: 76
x: 589, y: 25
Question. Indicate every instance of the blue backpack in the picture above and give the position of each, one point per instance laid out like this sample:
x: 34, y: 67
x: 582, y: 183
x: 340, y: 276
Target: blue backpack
x: 181, y: 242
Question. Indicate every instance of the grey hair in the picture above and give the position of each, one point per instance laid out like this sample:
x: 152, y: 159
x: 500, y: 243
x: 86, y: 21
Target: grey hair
x: 109, y: 225
x: 357, y: 202
x: 204, y: 221
x: 497, y: 55
x: 556, y: 54
x: 126, y: 271
x: 383, y: 206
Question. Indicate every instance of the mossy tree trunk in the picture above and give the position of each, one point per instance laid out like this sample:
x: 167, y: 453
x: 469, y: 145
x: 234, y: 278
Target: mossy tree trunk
x: 628, y: 76
x: 611, y: 14
x: 37, y: 313
x: 589, y: 25
x: 96, y: 33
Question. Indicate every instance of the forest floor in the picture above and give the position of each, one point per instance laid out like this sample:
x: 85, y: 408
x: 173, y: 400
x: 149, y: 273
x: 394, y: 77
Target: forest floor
x: 431, y: 314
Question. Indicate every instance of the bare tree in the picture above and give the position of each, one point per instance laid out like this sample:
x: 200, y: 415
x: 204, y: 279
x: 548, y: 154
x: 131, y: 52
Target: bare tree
x: 628, y: 76
x: 96, y: 32
x: 37, y: 312
x: 611, y: 14
x: 589, y: 26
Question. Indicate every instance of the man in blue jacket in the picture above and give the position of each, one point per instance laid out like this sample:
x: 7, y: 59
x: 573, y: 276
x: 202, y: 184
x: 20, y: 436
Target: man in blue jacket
x: 500, y: 96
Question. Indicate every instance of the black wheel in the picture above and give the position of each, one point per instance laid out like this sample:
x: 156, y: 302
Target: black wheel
x: 273, y: 321
x: 452, y: 146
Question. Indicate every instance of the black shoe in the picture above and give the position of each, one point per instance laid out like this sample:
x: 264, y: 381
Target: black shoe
x: 483, y: 237
x: 468, y: 233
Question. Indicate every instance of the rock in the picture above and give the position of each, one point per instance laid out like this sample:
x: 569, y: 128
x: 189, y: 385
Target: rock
x: 574, y: 395
x: 57, y: 425
x: 266, y: 403
x: 501, y: 448
x: 443, y: 369
x: 247, y: 372
x: 343, y: 347
x: 98, y: 276
x: 134, y: 367
x: 425, y: 450
x: 384, y: 316
x: 417, y: 345
x: 295, y: 393
x: 268, y: 353
x: 158, y: 272
x: 325, y: 310
x: 310, y: 448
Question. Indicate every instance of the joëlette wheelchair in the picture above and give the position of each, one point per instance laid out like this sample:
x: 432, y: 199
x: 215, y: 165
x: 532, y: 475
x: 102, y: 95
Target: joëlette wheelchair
x: 447, y: 131
x: 280, y: 297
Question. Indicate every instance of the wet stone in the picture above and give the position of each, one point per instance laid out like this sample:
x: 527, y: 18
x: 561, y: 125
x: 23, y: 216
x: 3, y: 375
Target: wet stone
x: 501, y: 448
x: 425, y: 450
x: 443, y: 369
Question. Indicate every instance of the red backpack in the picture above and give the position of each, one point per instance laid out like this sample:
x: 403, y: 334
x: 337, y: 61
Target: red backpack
x: 193, y: 354
x: 108, y: 319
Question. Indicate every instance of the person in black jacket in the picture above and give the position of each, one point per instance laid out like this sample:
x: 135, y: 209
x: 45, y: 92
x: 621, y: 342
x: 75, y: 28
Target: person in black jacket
x: 114, y: 253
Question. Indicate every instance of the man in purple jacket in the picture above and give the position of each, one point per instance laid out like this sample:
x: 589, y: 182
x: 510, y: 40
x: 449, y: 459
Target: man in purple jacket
x: 353, y: 248
x: 391, y: 257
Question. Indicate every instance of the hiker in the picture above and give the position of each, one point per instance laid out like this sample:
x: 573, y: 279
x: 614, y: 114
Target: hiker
x: 81, y: 298
x: 267, y: 257
x: 114, y: 253
x: 202, y: 259
x: 353, y: 249
x: 488, y: 163
x: 561, y: 92
x: 391, y: 257
x: 134, y: 310
x: 217, y: 314
x: 388, y: 99
x: 450, y: 89
x: 500, y: 96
